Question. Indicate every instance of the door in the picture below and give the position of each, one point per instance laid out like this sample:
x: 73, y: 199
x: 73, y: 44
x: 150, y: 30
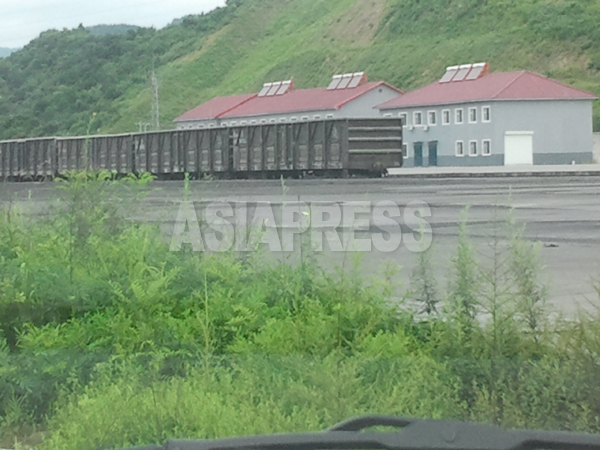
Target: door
x: 418, y: 148
x: 433, y: 153
x: 518, y: 148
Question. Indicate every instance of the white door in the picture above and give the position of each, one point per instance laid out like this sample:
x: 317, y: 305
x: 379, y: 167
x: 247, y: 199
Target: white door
x: 518, y: 148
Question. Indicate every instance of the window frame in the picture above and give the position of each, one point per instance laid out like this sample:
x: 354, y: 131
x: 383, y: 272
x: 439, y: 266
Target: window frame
x: 420, y: 121
x: 472, y: 109
x: 405, y: 150
x: 429, y: 115
x: 473, y: 155
x: 489, y: 114
x: 444, y: 111
x: 462, y: 116
x: 489, y: 142
x: 462, y: 146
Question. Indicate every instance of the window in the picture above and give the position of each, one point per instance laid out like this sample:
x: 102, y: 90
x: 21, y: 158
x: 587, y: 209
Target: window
x: 273, y: 120
x: 200, y: 126
x: 417, y: 118
x: 405, y: 150
x: 304, y: 118
x: 472, y: 148
x: 282, y: 120
x: 233, y: 124
x: 253, y: 122
x: 472, y: 115
x: 432, y: 118
x: 458, y: 116
x: 387, y: 115
x: 263, y: 120
x: 330, y: 116
x: 486, y: 147
x: 294, y: 119
x: 317, y: 117
x: 243, y: 122
x: 404, y: 118
x: 224, y: 124
x: 486, y: 114
x: 459, y: 148
x: 446, y: 117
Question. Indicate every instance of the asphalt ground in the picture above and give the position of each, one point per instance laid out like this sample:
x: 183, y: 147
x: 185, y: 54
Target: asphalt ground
x: 560, y: 214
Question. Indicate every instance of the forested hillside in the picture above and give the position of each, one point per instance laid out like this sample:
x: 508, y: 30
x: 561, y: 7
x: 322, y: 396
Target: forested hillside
x: 56, y: 83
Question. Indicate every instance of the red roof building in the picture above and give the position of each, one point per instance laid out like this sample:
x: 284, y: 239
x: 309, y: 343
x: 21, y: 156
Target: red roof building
x: 521, y: 85
x: 473, y: 117
x: 214, y: 108
x: 348, y: 95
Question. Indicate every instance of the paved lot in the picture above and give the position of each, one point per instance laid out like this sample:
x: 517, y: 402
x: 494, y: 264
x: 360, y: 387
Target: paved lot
x: 560, y: 213
x: 501, y: 171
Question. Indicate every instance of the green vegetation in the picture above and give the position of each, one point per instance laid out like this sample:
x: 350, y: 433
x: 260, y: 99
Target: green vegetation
x: 55, y: 83
x: 109, y: 339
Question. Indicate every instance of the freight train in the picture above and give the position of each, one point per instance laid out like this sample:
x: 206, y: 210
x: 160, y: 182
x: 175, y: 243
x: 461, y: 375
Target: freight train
x: 335, y: 148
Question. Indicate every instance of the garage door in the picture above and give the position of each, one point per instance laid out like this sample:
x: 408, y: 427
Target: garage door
x: 518, y: 148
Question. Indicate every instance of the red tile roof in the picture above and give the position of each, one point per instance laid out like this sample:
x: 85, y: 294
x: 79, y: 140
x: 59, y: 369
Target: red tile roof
x: 215, y: 107
x: 496, y: 86
x: 295, y: 101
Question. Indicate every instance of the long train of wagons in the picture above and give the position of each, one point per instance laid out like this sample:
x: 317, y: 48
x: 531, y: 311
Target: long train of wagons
x: 336, y: 148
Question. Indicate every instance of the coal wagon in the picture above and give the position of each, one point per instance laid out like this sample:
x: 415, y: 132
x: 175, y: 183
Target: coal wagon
x: 325, y: 147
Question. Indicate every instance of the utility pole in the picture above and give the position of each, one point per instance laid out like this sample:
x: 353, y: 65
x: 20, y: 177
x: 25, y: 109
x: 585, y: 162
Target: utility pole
x: 155, y: 103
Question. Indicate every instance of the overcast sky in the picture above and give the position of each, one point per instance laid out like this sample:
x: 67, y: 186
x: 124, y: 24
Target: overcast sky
x: 23, y: 20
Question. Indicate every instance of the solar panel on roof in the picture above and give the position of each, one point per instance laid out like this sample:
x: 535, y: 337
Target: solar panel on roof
x: 265, y: 89
x: 346, y: 79
x: 285, y: 87
x: 463, y: 70
x: 476, y: 71
x: 334, y: 82
x: 357, y: 79
x: 274, y: 88
x: 450, y: 72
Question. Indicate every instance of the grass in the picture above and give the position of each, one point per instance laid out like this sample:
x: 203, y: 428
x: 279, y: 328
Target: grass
x: 110, y: 340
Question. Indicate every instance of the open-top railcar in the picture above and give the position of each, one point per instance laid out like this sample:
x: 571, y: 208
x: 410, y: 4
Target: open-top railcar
x: 325, y: 147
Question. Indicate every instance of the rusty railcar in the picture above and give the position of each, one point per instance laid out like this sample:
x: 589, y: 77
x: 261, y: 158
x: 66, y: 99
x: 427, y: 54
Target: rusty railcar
x: 325, y: 147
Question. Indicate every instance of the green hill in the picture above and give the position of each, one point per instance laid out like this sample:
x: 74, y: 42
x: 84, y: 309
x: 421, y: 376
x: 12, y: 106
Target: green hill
x: 55, y: 83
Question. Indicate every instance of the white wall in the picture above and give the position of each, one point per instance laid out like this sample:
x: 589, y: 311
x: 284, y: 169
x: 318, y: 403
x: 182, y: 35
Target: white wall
x: 597, y: 147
